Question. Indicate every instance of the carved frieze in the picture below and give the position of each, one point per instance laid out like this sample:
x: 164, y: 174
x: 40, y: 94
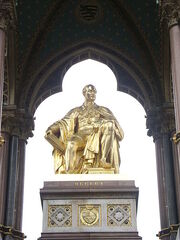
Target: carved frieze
x: 170, y: 12
x: 89, y: 215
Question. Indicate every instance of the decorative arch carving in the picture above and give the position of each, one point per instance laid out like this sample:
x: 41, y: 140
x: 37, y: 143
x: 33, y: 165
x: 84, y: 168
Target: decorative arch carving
x: 102, y: 53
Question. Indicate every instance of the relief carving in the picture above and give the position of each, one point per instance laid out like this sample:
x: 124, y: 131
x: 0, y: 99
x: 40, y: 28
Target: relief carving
x: 119, y: 215
x: 89, y: 215
x: 17, y: 122
x: 7, y: 15
x: 170, y: 12
x: 59, y: 216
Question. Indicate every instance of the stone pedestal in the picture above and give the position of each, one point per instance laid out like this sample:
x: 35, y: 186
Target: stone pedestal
x: 89, y: 210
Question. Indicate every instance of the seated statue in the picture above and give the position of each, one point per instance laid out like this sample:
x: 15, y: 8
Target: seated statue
x: 86, y: 138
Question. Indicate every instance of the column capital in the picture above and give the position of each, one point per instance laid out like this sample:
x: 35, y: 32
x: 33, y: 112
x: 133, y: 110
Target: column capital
x: 160, y: 120
x: 170, y: 12
x: 17, y: 122
x: 7, y: 14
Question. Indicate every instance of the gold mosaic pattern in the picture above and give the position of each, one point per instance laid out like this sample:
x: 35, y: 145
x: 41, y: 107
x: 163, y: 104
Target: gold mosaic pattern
x: 59, y: 216
x: 119, y: 215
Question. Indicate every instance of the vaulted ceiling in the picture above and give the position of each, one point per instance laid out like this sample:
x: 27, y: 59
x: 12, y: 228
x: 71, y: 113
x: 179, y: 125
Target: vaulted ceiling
x: 52, y: 35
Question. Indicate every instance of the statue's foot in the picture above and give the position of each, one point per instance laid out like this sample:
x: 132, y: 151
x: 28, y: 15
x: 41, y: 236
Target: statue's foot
x: 104, y: 164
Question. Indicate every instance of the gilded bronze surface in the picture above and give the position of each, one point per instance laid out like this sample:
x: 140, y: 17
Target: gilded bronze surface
x: 176, y: 137
x: 87, y: 137
x: 89, y: 215
x: 2, y: 141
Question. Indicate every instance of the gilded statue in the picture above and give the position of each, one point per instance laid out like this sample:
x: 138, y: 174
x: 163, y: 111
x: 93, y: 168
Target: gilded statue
x: 87, y: 139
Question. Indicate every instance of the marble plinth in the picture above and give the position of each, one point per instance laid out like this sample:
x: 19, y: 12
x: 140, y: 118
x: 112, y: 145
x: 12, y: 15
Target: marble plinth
x: 89, y: 210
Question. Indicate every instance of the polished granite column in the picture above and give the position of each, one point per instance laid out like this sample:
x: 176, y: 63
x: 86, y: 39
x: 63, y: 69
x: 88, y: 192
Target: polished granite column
x: 166, y: 184
x: 170, y: 18
x: 4, y: 150
x: 20, y: 183
x: 10, y: 216
x: 160, y: 122
x: 175, y: 62
x: 4, y: 137
x: 19, y: 126
x: 2, y: 56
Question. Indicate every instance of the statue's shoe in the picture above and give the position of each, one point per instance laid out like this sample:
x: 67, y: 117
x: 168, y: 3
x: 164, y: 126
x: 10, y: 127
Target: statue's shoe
x: 104, y: 164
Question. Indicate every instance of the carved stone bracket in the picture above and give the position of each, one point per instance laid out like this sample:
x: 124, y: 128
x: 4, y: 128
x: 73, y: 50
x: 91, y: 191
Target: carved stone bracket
x: 7, y: 14
x: 17, y: 122
x: 170, y: 12
x: 160, y: 120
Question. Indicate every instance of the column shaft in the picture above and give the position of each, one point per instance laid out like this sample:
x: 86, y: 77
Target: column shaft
x: 20, y: 184
x: 175, y: 64
x: 3, y: 176
x: 2, y: 52
x: 10, y: 217
x: 166, y: 186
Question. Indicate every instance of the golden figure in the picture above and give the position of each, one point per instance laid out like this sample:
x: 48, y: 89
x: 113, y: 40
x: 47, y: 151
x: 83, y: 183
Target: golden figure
x: 86, y: 138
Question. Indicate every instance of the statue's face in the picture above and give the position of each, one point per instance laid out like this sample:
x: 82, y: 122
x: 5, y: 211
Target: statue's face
x: 90, y: 93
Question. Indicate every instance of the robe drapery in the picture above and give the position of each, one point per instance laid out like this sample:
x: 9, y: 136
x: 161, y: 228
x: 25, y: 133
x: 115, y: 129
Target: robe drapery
x: 67, y: 129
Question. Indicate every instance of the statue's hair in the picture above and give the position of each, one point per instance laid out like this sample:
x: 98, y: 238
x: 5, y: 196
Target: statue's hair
x: 87, y: 86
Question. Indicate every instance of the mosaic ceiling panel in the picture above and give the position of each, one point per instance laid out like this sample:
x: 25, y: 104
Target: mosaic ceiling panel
x: 74, y: 23
x: 49, y: 28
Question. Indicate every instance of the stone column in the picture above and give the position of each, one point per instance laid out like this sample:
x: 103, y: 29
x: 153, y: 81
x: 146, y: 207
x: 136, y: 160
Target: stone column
x: 19, y: 125
x: 174, y: 31
x: 4, y: 149
x: 170, y: 18
x: 160, y: 122
x: 7, y: 18
x: 2, y: 56
x: 11, y: 187
x: 20, y: 183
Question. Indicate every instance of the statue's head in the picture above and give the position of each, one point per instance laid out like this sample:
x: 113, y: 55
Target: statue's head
x: 89, y: 92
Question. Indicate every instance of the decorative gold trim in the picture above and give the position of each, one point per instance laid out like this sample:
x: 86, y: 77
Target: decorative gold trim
x: 2, y: 141
x: 9, y: 230
x: 167, y: 231
x: 176, y: 137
